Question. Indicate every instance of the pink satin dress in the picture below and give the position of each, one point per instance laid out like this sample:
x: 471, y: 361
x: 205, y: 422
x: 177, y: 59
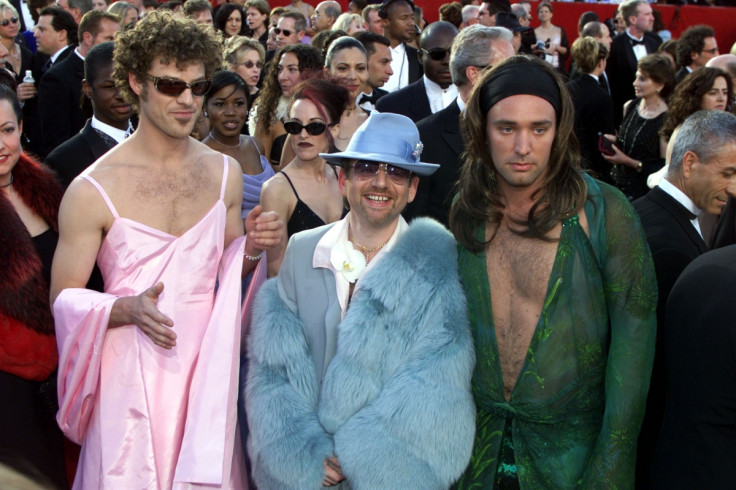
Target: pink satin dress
x: 151, y: 418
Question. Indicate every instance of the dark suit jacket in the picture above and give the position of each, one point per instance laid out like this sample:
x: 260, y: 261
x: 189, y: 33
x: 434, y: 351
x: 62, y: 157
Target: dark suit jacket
x: 76, y: 154
x: 698, y: 441
x: 415, y: 68
x: 410, y: 101
x: 593, y: 115
x: 59, y: 96
x: 33, y: 141
x: 674, y: 243
x: 681, y: 74
x: 621, y: 69
x: 443, y: 144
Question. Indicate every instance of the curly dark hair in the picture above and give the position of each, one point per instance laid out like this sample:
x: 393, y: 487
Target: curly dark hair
x: 310, y: 62
x: 171, y: 37
x: 563, y: 189
x: 692, y: 41
x: 688, y: 97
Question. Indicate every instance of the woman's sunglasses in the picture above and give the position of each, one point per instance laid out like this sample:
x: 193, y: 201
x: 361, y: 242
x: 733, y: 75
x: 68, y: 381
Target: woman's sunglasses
x: 5, y: 22
x: 250, y: 64
x: 174, y: 87
x: 364, y: 170
x: 313, y: 128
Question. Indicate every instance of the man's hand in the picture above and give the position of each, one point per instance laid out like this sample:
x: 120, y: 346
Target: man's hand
x: 25, y: 91
x: 141, y: 310
x: 333, y: 472
x: 264, y: 230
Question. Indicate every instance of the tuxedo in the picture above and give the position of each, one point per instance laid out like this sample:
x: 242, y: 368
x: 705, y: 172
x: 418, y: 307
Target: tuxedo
x: 368, y: 102
x: 698, y: 441
x: 621, y: 69
x: 79, y: 152
x: 415, y: 68
x: 593, y: 115
x: 443, y: 144
x: 681, y: 74
x: 674, y: 243
x: 725, y: 233
x: 59, y: 96
x: 33, y: 141
x: 410, y: 101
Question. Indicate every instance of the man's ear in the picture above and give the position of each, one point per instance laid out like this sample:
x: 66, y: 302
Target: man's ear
x: 413, y: 185
x: 689, y: 161
x: 135, y: 85
x: 87, y: 89
x: 301, y: 35
x: 342, y: 181
x: 87, y: 38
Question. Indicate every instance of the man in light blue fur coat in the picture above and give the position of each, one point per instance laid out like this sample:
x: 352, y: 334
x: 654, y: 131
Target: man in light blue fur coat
x: 360, y: 352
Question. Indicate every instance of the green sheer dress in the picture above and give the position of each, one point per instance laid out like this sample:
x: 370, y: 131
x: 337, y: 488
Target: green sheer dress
x: 574, y: 415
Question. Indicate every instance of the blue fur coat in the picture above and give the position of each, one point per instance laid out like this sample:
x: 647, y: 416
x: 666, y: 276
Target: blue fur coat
x: 395, y: 404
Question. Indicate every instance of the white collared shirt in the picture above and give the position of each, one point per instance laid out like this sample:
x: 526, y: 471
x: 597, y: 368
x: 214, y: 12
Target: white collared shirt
x: 595, y: 78
x: 117, y: 134
x: 682, y: 198
x: 76, y: 51
x: 461, y: 103
x: 368, y: 106
x: 439, y: 98
x: 56, y: 55
x: 337, y: 234
x: 640, y: 50
x: 400, y: 66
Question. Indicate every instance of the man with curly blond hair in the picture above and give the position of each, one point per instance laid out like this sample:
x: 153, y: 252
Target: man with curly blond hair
x: 148, y: 369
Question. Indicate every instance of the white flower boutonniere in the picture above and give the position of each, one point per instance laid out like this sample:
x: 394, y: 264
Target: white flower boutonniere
x: 347, y: 261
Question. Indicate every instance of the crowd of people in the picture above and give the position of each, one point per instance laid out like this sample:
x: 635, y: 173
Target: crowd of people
x: 302, y: 247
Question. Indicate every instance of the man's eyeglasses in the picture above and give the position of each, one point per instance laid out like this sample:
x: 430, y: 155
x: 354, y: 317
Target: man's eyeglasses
x: 437, y: 54
x: 286, y: 32
x: 364, y: 170
x: 313, y: 128
x: 709, y: 51
x: 250, y: 64
x: 6, y: 22
x: 174, y: 87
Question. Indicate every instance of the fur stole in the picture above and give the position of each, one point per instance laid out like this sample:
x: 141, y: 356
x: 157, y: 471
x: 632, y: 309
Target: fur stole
x: 24, y: 294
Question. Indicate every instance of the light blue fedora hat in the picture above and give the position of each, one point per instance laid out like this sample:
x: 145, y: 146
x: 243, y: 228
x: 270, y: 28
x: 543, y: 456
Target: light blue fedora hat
x: 386, y: 138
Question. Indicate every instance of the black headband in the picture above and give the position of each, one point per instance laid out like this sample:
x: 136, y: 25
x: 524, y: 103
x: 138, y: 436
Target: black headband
x: 520, y: 79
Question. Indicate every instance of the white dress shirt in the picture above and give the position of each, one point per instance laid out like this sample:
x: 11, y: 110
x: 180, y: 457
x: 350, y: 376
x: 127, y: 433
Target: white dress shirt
x: 339, y: 233
x: 114, y: 133
x: 640, y: 50
x: 680, y: 197
x: 400, y: 66
x: 439, y: 98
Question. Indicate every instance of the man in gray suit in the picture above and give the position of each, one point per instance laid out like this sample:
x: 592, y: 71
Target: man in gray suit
x: 360, y: 352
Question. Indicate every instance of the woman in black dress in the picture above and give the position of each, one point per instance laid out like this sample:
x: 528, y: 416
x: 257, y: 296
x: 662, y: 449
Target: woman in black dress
x: 30, y: 439
x: 638, y: 149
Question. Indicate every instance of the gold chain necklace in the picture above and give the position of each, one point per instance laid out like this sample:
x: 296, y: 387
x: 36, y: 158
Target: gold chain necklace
x: 367, y: 251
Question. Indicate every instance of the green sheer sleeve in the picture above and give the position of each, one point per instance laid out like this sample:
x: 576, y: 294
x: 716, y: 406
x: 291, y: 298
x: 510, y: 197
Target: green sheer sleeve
x: 631, y: 297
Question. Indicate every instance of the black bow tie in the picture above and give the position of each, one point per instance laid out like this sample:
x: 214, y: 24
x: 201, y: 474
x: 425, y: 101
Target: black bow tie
x: 634, y: 42
x: 368, y: 98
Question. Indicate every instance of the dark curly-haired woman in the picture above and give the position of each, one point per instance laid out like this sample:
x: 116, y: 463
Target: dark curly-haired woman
x: 290, y: 65
x: 704, y: 89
